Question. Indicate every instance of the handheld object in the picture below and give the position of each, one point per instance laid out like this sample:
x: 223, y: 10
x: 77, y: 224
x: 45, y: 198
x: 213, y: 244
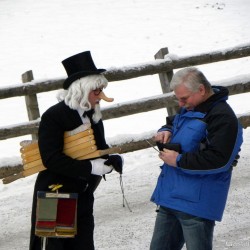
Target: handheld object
x: 171, y: 146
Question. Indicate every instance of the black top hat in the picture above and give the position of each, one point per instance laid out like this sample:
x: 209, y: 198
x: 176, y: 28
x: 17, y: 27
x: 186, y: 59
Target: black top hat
x: 78, y: 66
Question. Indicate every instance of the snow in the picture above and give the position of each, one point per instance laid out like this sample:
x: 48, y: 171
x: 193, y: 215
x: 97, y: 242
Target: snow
x: 38, y: 35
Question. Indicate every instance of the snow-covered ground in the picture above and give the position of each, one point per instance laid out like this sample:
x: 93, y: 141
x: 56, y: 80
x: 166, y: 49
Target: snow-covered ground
x: 38, y: 35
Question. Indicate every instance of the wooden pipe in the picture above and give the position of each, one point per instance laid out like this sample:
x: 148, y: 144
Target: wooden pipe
x: 39, y: 167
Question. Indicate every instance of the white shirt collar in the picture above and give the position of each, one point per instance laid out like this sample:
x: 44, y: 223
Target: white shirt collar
x: 80, y: 111
x: 84, y: 119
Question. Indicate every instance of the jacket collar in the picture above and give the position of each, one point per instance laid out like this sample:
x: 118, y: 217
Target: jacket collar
x: 220, y: 95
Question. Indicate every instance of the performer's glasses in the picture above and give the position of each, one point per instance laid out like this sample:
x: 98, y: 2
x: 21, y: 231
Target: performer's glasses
x: 97, y: 91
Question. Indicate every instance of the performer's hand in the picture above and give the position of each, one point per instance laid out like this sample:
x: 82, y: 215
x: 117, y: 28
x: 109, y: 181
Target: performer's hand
x: 99, y: 168
x: 116, y: 161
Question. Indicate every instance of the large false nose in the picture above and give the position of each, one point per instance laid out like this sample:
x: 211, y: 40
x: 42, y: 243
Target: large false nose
x: 104, y: 97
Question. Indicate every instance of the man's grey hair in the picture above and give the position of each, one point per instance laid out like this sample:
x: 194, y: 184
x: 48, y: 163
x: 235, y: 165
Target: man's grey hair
x: 191, y: 77
x: 77, y: 95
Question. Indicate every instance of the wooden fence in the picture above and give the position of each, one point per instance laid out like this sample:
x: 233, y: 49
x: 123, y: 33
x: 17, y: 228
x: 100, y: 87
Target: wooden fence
x: 163, y: 65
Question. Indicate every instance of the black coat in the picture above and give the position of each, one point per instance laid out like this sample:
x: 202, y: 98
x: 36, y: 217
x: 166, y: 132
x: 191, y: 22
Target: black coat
x: 74, y: 175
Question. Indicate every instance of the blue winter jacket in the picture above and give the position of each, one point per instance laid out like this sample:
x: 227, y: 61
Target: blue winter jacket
x: 210, y: 137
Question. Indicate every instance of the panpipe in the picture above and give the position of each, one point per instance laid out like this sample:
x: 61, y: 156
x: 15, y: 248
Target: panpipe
x: 79, y: 144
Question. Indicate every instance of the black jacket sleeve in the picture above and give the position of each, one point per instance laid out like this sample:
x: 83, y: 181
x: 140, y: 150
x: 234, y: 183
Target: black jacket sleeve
x: 220, y: 142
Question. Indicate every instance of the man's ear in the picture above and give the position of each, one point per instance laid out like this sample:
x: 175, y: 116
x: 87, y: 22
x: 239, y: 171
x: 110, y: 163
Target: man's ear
x: 202, y: 89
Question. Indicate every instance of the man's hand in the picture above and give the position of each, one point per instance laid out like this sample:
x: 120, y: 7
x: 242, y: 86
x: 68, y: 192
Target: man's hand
x: 169, y: 157
x: 163, y: 136
x: 116, y: 161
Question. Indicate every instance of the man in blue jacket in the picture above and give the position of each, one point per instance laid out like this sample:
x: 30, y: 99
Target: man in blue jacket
x: 192, y: 188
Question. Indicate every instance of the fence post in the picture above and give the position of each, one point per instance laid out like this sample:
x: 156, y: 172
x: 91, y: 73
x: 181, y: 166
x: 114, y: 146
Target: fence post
x: 31, y: 101
x: 165, y: 79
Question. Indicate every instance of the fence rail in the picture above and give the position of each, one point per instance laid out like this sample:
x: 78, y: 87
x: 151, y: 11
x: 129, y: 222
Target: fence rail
x: 128, y: 108
x: 118, y: 74
x: 159, y: 66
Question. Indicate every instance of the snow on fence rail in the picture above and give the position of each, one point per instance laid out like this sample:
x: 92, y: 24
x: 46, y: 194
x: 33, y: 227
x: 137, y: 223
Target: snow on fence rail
x: 163, y: 65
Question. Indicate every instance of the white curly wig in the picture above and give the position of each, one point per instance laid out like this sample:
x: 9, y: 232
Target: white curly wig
x: 77, y: 95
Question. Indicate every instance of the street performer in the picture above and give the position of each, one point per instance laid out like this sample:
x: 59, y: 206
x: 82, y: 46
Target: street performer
x: 78, y: 105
